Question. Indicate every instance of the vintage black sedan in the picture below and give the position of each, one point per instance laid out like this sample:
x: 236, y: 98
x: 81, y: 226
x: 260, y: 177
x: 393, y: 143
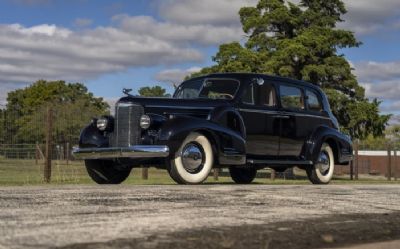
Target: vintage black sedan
x: 244, y: 122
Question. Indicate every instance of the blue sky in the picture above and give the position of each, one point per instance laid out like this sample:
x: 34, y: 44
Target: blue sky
x: 109, y: 45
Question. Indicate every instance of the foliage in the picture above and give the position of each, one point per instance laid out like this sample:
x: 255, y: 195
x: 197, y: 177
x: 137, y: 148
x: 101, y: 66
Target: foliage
x: 72, y: 106
x: 302, y: 42
x: 155, y: 91
x: 391, y: 137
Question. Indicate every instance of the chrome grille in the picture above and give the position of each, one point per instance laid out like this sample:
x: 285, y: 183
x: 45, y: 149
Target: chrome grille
x: 126, y: 128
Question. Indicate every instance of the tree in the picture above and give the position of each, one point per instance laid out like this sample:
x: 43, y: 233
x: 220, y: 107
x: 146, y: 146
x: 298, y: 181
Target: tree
x: 302, y: 41
x: 73, y: 107
x: 155, y: 91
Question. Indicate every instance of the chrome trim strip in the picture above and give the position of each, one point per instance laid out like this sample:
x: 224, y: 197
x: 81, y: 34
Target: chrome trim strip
x: 282, y: 113
x: 136, y: 151
x: 279, y: 162
x: 179, y: 107
x: 259, y: 111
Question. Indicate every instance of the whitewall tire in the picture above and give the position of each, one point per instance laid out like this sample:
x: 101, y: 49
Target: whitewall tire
x: 322, y: 170
x: 193, y: 161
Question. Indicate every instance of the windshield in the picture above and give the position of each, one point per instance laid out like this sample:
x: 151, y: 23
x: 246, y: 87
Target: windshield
x: 208, y: 88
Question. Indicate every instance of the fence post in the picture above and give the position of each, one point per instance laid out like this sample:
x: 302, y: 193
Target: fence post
x: 36, y: 153
x: 67, y: 153
x: 356, y: 160
x: 395, y: 164
x: 145, y: 173
x: 389, y: 163
x: 273, y: 174
x: 49, y: 128
x: 352, y: 169
x: 216, y: 173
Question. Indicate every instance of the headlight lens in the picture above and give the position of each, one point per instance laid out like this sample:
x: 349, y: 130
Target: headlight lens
x: 145, y: 121
x: 102, y: 124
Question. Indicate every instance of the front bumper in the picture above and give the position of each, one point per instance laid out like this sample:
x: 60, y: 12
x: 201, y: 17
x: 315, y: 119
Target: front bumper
x: 136, y: 151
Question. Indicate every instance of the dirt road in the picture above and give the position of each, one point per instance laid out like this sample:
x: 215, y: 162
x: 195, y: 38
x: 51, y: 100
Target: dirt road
x: 211, y: 216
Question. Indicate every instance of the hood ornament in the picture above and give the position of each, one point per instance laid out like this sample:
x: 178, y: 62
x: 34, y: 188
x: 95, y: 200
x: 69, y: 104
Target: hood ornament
x: 127, y: 91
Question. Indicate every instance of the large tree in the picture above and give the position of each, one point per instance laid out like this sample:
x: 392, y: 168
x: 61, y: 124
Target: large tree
x: 24, y: 119
x: 302, y: 41
x: 155, y: 91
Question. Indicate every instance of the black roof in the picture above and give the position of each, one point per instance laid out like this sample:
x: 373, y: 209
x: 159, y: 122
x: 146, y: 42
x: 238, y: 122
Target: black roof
x: 265, y: 76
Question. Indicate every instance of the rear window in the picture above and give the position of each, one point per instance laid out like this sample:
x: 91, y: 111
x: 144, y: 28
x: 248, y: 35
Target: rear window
x: 314, y: 103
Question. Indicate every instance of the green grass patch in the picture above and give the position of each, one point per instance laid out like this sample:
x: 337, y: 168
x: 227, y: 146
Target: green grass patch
x: 14, y: 172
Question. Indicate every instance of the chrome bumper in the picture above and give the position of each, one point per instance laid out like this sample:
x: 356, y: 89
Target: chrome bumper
x: 136, y: 151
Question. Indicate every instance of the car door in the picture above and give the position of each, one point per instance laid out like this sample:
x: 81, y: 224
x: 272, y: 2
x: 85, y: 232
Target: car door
x: 294, y: 121
x: 258, y: 107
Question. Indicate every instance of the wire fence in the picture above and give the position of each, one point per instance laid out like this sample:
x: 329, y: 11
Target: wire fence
x: 36, y: 147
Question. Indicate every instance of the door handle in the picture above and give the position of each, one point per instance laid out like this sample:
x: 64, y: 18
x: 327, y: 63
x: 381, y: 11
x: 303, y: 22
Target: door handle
x: 282, y: 116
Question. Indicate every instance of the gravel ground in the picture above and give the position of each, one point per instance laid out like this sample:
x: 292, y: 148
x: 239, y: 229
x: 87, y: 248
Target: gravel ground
x: 211, y: 216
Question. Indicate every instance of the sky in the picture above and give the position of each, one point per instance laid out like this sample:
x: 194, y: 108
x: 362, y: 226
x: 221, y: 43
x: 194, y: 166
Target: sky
x: 110, y: 45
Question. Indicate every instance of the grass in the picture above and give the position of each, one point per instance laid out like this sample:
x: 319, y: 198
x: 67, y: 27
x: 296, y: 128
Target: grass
x: 14, y: 172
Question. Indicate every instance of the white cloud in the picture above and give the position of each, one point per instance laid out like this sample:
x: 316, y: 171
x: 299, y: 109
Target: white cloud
x: 175, y: 76
x: 50, y: 52
x: 383, y: 90
x: 372, y: 70
x: 381, y: 80
x: 203, y: 34
x: 216, y: 13
x: 369, y: 16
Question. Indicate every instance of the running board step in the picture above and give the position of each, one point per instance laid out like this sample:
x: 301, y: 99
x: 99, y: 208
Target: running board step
x: 278, y: 162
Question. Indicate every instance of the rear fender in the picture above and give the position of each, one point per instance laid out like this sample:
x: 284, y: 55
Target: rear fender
x: 229, y: 145
x: 341, y: 144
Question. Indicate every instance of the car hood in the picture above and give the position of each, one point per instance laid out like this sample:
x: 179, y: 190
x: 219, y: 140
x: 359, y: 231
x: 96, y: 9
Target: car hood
x: 168, y: 106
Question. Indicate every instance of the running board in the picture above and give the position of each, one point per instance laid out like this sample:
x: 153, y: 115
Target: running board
x: 279, y: 162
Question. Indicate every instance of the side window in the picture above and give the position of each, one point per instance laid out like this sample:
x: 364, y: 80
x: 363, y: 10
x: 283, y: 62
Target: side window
x: 248, y: 95
x: 190, y: 89
x: 314, y: 103
x: 291, y: 97
x: 267, y: 95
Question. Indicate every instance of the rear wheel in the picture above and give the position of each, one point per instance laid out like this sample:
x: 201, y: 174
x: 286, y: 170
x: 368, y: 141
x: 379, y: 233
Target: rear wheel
x: 106, y: 171
x: 242, y: 175
x: 193, y: 161
x: 322, y: 171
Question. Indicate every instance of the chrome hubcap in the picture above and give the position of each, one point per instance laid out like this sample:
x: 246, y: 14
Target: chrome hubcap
x: 192, y: 157
x: 323, y: 163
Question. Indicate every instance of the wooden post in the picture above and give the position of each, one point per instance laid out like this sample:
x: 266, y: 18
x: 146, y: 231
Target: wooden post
x: 395, y: 165
x: 356, y: 160
x: 145, y: 173
x: 352, y: 169
x: 36, y: 153
x: 273, y: 174
x: 216, y: 173
x: 67, y: 153
x: 49, y: 128
x: 389, y: 163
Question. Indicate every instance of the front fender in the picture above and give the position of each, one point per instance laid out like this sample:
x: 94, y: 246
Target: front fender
x: 229, y: 146
x: 341, y: 144
x: 91, y: 137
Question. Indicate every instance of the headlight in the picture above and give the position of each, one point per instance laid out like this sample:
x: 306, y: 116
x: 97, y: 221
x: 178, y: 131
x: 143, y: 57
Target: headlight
x: 102, y: 123
x: 145, y: 121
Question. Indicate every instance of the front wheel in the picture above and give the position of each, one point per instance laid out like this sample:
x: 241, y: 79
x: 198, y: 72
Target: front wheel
x: 106, y: 171
x: 193, y: 161
x: 322, y: 171
x: 242, y: 175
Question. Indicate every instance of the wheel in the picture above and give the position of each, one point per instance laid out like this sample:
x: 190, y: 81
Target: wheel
x: 242, y: 175
x: 106, y: 172
x: 322, y: 170
x: 193, y: 161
